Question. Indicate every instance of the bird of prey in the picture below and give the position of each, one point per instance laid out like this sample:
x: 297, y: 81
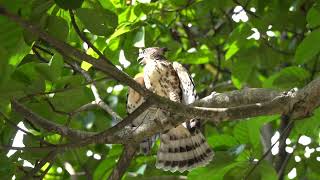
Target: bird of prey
x: 183, y: 147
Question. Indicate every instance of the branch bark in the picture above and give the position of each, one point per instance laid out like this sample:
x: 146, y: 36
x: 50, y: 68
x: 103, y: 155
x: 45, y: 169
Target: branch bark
x: 123, y: 163
x: 47, y: 124
x: 305, y: 101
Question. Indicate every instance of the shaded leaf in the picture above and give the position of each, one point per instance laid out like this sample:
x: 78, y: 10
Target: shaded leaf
x: 307, y: 49
x: 291, y: 77
x: 98, y: 21
x: 58, y: 27
x: 69, y: 4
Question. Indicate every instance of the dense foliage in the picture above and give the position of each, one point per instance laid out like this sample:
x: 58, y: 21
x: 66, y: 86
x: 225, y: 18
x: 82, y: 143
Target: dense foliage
x: 226, y: 45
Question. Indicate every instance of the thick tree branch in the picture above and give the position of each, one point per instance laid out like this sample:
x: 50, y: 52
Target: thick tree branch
x: 267, y: 103
x: 238, y: 98
x: 123, y: 163
x: 48, y: 125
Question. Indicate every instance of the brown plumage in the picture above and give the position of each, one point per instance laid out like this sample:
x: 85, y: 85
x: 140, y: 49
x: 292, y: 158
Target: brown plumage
x: 183, y: 147
x: 134, y: 100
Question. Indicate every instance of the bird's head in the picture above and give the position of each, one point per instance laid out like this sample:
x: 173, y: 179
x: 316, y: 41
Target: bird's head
x: 150, y: 54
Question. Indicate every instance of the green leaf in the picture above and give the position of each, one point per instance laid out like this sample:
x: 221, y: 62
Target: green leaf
x: 40, y: 7
x: 10, y: 33
x: 291, y: 77
x: 69, y: 4
x: 98, y: 21
x: 201, y: 56
x: 221, y: 164
x: 56, y: 65
x: 108, y: 5
x: 44, y: 70
x: 313, y: 17
x: 241, y: 71
x: 28, y: 141
x: 232, y: 50
x: 248, y: 131
x: 139, y: 38
x: 236, y: 82
x: 6, y: 134
x: 223, y: 140
x: 237, y: 40
x: 122, y: 29
x: 267, y: 171
x: 71, y: 81
x: 26, y: 79
x: 105, y: 166
x: 7, y: 168
x: 51, y: 71
x: 10, y: 59
x: 58, y: 27
x: 4, y: 64
x: 75, y: 99
x: 307, y: 48
x: 308, y: 126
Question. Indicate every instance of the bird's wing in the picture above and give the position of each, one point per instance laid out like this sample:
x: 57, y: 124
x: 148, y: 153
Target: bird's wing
x: 134, y: 99
x: 186, y: 84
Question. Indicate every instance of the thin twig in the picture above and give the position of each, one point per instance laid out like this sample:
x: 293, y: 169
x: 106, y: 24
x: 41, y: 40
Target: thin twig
x: 53, y: 153
x: 62, y: 89
x: 47, y: 124
x: 22, y: 130
x: 49, y: 156
x: 45, y: 172
x: 280, y: 51
x: 282, y: 145
x: 35, y: 51
x: 43, y: 49
x: 54, y: 109
x: 284, y: 165
x: 85, y: 39
x: 269, y: 150
x: 98, y: 101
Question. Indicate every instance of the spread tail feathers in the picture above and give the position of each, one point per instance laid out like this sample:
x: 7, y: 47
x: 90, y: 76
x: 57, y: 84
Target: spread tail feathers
x: 181, y: 150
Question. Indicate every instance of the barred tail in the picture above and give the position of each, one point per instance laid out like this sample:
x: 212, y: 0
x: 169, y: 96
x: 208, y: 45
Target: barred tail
x: 181, y: 150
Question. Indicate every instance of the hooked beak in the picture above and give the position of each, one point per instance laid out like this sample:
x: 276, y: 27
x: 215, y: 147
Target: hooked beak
x: 140, y: 56
x: 140, y: 59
